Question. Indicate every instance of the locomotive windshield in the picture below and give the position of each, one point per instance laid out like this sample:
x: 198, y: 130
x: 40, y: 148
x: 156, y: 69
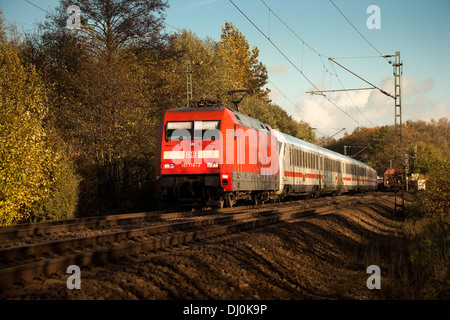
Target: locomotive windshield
x: 192, y: 130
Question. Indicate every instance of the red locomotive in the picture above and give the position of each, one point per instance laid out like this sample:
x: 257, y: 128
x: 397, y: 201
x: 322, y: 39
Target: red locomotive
x: 215, y: 156
x: 392, y: 179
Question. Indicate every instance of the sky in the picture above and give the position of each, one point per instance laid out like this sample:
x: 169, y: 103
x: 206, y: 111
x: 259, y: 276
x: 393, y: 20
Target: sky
x: 296, y: 38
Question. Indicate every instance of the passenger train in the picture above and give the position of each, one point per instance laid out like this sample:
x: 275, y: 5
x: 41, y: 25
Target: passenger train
x: 215, y: 156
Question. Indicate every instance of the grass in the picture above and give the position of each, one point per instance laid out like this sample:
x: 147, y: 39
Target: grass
x: 417, y: 263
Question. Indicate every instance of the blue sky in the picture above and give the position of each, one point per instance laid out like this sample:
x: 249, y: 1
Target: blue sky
x: 419, y: 29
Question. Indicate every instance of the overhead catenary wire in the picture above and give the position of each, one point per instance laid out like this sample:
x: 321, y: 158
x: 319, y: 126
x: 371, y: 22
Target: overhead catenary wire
x: 295, y: 105
x: 323, y: 64
x: 326, y: 70
x: 381, y: 55
x: 290, y: 29
x: 292, y: 63
x: 346, y: 91
x: 35, y: 5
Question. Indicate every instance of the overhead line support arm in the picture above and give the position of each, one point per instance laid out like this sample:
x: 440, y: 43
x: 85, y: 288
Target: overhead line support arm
x: 374, y: 86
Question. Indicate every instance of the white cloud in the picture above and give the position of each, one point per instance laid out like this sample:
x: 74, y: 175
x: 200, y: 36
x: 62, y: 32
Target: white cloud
x: 374, y: 108
x: 278, y: 69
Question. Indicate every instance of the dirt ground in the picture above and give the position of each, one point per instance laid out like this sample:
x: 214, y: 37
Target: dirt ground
x: 320, y: 257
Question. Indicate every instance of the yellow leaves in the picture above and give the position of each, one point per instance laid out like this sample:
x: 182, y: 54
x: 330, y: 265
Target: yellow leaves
x: 242, y: 64
x: 23, y: 154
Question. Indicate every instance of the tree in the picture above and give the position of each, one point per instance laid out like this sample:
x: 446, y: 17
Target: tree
x: 208, y: 66
x: 242, y: 64
x: 32, y: 173
x: 109, y: 26
x: 111, y: 82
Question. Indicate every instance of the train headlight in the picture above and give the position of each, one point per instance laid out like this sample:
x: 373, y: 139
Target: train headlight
x: 169, y: 166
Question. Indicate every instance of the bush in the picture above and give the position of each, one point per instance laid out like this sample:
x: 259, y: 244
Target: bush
x: 62, y: 200
x: 37, y: 181
x: 436, y: 200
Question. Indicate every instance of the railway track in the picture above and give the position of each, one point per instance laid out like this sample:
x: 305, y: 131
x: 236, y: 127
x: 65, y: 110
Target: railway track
x: 46, y: 248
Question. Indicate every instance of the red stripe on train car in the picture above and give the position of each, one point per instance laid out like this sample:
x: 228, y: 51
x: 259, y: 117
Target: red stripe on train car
x: 293, y: 174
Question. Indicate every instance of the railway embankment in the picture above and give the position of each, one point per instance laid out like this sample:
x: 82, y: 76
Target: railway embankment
x: 323, y: 256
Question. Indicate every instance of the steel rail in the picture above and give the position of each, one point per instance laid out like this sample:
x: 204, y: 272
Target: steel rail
x: 72, y: 225
x: 26, y: 272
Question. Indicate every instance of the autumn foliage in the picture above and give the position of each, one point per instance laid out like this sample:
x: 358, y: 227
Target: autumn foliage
x: 80, y: 109
x: 34, y: 173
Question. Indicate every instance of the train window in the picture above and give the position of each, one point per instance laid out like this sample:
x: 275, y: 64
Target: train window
x: 206, y: 125
x: 182, y: 130
x: 206, y: 130
x: 178, y: 130
x: 306, y: 159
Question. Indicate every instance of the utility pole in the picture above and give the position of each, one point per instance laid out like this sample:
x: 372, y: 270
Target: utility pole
x: 398, y: 97
x: 398, y: 69
x: 400, y: 174
x: 188, y: 82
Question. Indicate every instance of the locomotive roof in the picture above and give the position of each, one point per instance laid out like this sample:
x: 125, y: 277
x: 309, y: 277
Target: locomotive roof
x: 209, y: 108
x: 242, y: 118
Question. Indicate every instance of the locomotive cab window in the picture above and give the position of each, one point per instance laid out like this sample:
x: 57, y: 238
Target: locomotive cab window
x: 178, y: 130
x: 188, y: 130
x: 206, y: 130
